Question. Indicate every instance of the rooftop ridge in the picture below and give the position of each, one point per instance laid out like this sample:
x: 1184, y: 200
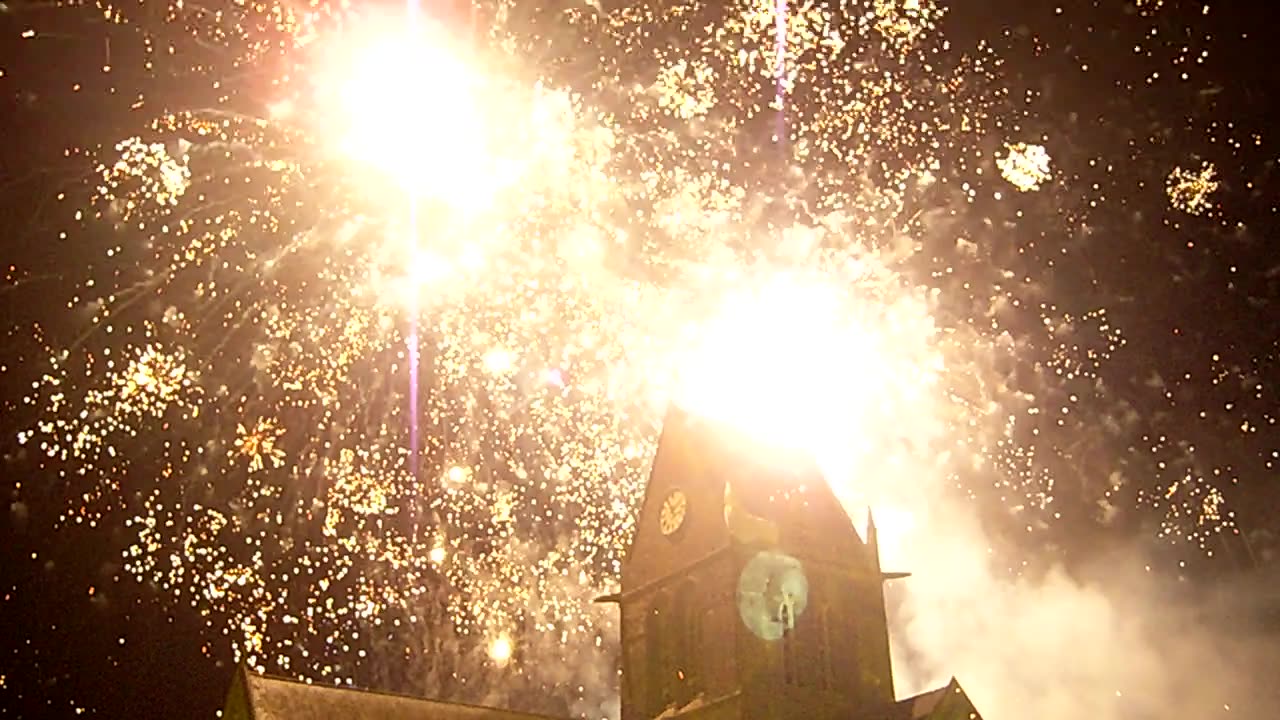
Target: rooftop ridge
x: 253, y: 678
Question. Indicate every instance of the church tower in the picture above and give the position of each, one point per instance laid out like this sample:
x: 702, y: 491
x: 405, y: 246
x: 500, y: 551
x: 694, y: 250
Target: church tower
x: 747, y: 593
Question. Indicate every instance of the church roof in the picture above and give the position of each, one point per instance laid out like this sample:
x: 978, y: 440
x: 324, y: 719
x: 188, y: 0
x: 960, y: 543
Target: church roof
x: 773, y: 483
x: 765, y: 475
x: 948, y: 702
x: 261, y: 697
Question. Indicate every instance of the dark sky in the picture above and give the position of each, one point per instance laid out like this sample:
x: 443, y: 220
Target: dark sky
x: 1196, y: 297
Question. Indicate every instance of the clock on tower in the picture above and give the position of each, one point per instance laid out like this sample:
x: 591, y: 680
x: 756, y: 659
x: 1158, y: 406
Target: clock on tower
x: 671, y: 515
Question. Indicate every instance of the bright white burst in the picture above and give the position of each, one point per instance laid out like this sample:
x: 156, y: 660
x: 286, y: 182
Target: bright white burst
x: 408, y: 102
x: 802, y: 361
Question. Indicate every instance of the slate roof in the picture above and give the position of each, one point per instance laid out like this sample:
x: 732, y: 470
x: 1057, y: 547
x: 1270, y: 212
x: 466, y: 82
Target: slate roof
x: 260, y: 697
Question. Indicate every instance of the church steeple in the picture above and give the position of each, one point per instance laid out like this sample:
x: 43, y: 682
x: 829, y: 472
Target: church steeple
x: 873, y: 538
x: 747, y: 587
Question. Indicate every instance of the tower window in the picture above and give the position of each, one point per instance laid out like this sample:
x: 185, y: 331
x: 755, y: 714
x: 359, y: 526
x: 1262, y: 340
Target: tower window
x: 806, y: 651
x: 844, y: 651
x: 716, y: 663
x: 686, y: 643
x: 822, y: 647
x: 656, y: 689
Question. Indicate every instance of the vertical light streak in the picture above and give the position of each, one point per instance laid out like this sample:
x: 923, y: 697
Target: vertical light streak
x: 413, y: 376
x: 412, y: 12
x: 780, y: 48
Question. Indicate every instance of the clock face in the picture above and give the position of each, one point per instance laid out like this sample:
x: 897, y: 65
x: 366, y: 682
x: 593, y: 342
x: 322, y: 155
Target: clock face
x: 671, y: 515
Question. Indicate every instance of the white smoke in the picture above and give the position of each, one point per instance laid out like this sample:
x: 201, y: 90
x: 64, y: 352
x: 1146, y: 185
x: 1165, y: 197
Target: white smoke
x: 1112, y: 641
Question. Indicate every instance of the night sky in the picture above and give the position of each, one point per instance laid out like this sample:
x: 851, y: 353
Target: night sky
x: 1132, y: 318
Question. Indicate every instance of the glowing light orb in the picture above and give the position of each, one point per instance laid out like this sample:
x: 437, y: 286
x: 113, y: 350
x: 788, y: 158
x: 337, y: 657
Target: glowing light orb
x: 500, y: 650
x: 499, y: 361
x: 436, y: 555
x: 409, y: 106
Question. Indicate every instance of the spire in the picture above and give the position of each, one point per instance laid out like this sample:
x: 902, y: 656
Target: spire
x: 873, y: 541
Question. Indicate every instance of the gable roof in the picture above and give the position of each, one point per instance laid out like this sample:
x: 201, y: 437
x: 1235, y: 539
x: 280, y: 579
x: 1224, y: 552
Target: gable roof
x: 771, y: 485
x: 948, y: 702
x: 261, y: 697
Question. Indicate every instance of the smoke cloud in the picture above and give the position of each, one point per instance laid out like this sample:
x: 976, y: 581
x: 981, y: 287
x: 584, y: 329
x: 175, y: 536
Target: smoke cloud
x: 1108, y: 641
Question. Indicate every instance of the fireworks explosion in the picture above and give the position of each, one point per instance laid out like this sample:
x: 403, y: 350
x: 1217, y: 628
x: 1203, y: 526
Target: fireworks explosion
x: 383, y: 309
